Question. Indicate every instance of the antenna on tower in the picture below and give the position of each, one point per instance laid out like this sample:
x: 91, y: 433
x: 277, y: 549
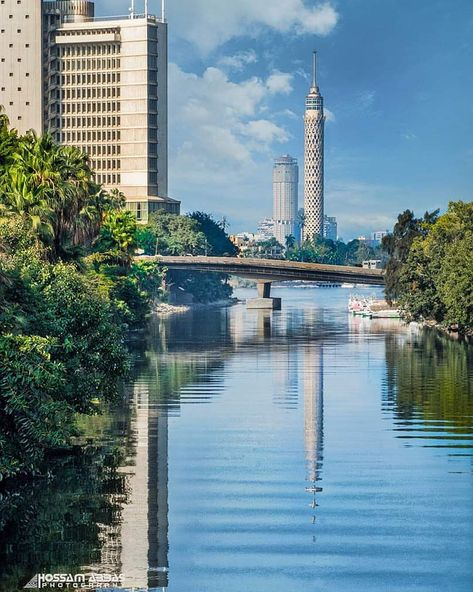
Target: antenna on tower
x: 146, y: 8
x: 314, y: 69
x: 163, y: 7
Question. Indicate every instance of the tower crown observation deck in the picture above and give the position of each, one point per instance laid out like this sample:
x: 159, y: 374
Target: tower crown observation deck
x: 314, y: 122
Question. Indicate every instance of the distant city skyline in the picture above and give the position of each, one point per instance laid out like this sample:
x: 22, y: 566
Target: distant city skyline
x: 399, y: 117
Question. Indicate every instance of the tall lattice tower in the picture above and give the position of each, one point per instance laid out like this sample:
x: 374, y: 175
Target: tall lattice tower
x: 314, y: 121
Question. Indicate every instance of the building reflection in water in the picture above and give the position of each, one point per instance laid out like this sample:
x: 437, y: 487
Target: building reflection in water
x: 295, y: 366
x: 144, y: 558
x: 313, y: 388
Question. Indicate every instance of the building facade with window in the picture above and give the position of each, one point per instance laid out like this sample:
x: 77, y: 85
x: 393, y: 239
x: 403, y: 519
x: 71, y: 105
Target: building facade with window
x: 377, y: 237
x: 21, y: 63
x: 330, y: 228
x: 285, y: 198
x: 99, y: 84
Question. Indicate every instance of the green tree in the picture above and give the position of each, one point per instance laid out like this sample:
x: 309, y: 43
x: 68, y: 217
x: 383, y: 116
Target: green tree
x: 118, y: 234
x: 397, y: 245
x: 436, y: 280
x: 61, y: 349
x: 218, y: 242
x: 52, y: 188
x: 171, y: 234
x: 290, y: 241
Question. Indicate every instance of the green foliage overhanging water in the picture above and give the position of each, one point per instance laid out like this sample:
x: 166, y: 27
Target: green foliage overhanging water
x: 430, y: 270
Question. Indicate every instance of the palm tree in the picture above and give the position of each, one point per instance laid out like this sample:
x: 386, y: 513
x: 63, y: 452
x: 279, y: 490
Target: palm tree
x: 290, y: 241
x: 52, y: 187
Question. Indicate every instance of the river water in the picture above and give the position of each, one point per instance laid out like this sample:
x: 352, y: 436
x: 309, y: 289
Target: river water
x: 304, y: 449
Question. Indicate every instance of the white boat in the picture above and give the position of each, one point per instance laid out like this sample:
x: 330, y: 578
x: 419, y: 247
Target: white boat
x: 358, y: 306
x: 369, y: 307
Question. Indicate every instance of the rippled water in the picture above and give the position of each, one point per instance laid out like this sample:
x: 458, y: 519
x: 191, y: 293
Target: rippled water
x: 296, y: 450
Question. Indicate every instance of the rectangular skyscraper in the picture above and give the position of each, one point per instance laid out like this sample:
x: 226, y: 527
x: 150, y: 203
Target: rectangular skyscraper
x: 102, y: 87
x: 21, y: 63
x: 285, y: 198
x: 330, y: 228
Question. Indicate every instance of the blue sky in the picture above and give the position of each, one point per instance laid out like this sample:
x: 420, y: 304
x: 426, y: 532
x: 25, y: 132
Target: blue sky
x: 397, y: 78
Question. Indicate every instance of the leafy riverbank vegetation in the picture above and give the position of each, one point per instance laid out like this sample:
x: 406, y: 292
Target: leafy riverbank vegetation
x: 430, y: 267
x: 317, y: 250
x: 70, y: 291
x: 329, y: 252
x: 193, y: 234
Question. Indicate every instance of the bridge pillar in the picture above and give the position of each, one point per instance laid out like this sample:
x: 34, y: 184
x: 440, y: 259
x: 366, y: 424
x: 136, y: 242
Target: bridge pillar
x: 264, y: 289
x: 264, y: 300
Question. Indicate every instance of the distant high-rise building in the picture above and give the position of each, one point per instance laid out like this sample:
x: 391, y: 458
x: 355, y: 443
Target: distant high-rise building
x: 314, y: 120
x: 330, y: 228
x: 285, y: 196
x: 377, y: 236
x: 99, y: 84
x: 265, y: 229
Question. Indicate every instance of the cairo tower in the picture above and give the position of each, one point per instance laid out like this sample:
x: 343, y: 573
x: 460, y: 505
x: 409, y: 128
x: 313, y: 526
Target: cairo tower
x: 314, y: 121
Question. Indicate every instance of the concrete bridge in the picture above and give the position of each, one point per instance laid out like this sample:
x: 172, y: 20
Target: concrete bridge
x: 266, y: 271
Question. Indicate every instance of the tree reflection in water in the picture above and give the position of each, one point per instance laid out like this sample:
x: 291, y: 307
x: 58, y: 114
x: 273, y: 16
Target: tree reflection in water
x: 429, y: 385
x: 62, y: 520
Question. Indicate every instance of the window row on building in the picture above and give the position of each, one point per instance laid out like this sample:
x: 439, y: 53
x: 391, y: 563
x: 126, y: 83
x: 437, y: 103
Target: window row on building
x: 94, y: 92
x: 99, y: 49
x: 86, y: 108
x: 104, y: 150
x: 142, y: 209
x: 89, y: 122
x: 83, y: 137
x: 93, y: 32
x: 108, y: 179
x: 67, y: 65
x: 105, y: 165
x: 96, y: 78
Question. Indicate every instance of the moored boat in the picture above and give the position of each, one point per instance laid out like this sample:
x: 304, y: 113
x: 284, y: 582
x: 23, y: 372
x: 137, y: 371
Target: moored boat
x: 368, y: 307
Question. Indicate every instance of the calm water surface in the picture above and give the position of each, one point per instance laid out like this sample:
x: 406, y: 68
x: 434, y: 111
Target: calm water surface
x: 296, y: 450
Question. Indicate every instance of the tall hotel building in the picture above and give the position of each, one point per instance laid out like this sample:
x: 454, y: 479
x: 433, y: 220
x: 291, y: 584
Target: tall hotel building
x: 285, y: 193
x: 99, y: 84
x: 314, y: 121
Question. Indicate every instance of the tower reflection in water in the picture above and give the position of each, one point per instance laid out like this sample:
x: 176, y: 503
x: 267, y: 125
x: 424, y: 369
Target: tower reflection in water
x: 313, y: 364
x: 144, y: 558
x: 295, y: 366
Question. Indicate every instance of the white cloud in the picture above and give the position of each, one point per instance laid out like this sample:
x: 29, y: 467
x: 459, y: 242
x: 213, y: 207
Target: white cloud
x: 221, y: 138
x: 239, y: 60
x: 264, y: 131
x: 288, y: 113
x: 319, y: 20
x: 210, y: 23
x: 279, y: 82
x: 329, y: 115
